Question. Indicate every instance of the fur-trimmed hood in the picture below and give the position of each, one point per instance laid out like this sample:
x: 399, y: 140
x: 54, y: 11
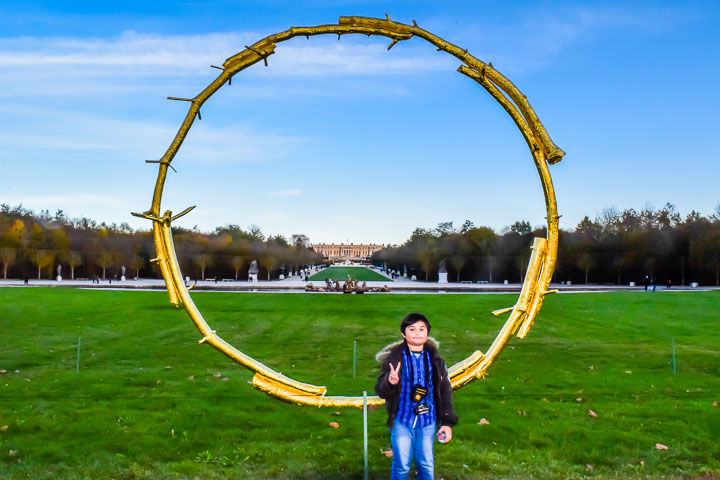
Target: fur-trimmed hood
x: 383, y: 354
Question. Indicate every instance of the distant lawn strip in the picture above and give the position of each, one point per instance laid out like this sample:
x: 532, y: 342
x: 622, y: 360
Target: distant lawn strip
x: 361, y: 274
x: 150, y: 402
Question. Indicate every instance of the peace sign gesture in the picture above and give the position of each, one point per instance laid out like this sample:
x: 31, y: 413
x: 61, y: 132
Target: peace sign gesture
x: 394, y: 375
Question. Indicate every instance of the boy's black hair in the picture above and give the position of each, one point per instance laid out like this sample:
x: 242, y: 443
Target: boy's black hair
x: 413, y: 318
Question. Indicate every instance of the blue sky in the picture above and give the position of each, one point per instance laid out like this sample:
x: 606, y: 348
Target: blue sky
x: 345, y: 141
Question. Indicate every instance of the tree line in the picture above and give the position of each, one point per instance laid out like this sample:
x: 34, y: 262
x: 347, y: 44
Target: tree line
x: 33, y: 245
x: 617, y: 247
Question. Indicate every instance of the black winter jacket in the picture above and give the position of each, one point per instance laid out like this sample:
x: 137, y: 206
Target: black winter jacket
x: 442, y: 391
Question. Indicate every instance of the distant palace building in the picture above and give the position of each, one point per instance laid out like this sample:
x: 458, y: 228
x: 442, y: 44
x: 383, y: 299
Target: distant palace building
x: 341, y: 251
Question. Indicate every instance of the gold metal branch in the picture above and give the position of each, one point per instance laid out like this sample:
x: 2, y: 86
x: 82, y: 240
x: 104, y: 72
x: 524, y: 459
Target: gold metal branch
x: 544, y: 250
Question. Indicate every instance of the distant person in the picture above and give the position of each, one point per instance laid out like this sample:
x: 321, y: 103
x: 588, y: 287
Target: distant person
x: 27, y: 280
x: 668, y: 284
x: 646, y: 282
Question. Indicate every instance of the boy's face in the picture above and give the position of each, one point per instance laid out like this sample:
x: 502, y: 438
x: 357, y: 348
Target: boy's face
x: 416, y: 335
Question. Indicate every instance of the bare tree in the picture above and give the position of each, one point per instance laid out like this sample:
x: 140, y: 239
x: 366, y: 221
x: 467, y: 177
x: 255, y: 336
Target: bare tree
x: 74, y: 259
x: 137, y: 262
x: 269, y: 261
x: 42, y: 258
x: 491, y: 263
x: 104, y: 259
x: 203, y: 261
x: 427, y: 259
x: 7, y: 256
x: 237, y: 263
x: 585, y: 262
x: 522, y: 263
x: 457, y: 262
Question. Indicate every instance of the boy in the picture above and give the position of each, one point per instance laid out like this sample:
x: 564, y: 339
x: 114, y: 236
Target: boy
x: 418, y: 396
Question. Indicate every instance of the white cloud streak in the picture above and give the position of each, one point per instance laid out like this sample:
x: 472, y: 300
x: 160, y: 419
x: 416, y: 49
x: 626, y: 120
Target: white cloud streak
x: 137, y: 140
x: 285, y: 193
x: 64, y: 200
x: 540, y: 34
x: 134, y: 54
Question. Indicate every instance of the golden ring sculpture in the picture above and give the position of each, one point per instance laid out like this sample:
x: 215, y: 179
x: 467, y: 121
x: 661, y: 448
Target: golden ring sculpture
x: 544, y: 250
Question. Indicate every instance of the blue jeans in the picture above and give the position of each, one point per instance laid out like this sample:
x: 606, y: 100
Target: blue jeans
x: 409, y: 443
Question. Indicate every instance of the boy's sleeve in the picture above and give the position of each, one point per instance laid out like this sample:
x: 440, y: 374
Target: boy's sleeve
x: 383, y: 388
x: 447, y: 415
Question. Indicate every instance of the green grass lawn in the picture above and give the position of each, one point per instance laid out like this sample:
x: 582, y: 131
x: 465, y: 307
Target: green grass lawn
x: 149, y: 402
x: 361, y: 274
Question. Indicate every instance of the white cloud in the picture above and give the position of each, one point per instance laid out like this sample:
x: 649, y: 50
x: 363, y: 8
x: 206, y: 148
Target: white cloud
x: 73, y: 131
x: 234, y: 143
x: 151, y: 53
x: 285, y: 193
x: 135, y: 54
x: 341, y: 59
x: 539, y: 34
x: 63, y: 200
x: 140, y: 140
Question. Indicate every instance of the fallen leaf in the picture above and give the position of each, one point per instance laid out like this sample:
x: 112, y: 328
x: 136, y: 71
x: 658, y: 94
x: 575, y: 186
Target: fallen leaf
x: 159, y: 382
x: 336, y: 413
x: 592, y: 414
x: 628, y: 372
x: 642, y: 462
x: 17, y: 371
x: 224, y: 379
x: 591, y: 367
x: 191, y: 377
x: 12, y: 453
x: 483, y: 421
x: 334, y: 424
x: 715, y: 404
x: 660, y: 446
x: 579, y: 399
x: 168, y: 367
x: 3, y: 371
x: 3, y: 428
x: 217, y: 375
x: 589, y: 467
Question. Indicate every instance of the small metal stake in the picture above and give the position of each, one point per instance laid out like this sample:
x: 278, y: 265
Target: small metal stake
x: 365, y: 437
x: 354, y: 357
x: 673, y: 352
x: 77, y: 363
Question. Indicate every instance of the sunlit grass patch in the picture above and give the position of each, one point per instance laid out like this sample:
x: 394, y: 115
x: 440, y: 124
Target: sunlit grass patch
x: 149, y: 402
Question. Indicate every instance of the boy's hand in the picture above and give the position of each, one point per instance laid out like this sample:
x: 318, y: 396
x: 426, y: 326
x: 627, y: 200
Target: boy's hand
x: 448, y: 433
x: 394, y: 376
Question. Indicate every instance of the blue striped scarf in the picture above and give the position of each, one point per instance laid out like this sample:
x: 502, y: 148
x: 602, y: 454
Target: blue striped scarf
x: 405, y: 414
